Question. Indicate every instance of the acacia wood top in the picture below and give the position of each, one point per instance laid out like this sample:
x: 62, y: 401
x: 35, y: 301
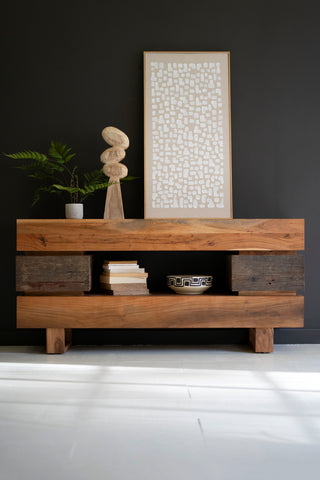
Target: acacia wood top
x: 160, y: 235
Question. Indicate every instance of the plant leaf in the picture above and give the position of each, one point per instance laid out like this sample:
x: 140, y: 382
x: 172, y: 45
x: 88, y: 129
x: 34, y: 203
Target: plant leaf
x: 128, y: 178
x: 67, y: 189
x: 60, y: 152
x: 27, y: 155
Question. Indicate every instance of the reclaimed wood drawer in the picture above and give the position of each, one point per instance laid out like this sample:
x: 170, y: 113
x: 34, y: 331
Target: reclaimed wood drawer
x: 266, y: 273
x: 53, y: 273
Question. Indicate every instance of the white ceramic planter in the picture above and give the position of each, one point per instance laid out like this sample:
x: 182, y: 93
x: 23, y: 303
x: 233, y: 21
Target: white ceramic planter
x: 74, y: 210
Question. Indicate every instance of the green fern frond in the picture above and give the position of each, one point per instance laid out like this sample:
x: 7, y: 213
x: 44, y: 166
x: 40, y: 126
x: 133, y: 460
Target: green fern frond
x: 30, y: 166
x: 36, y: 175
x: 39, y: 161
x: 94, y: 177
x: 27, y: 155
x: 98, y: 186
x: 44, y: 169
x: 70, y: 157
x: 90, y: 189
x: 101, y: 186
x: 60, y: 152
x: 128, y: 178
x: 67, y: 189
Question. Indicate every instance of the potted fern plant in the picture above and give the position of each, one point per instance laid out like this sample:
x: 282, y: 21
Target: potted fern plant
x: 58, y: 175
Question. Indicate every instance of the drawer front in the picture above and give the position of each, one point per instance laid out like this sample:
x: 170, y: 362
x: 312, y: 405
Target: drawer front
x: 267, y: 273
x: 56, y: 273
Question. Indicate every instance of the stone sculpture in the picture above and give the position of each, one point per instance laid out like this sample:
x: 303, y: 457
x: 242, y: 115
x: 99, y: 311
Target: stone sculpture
x: 114, y: 169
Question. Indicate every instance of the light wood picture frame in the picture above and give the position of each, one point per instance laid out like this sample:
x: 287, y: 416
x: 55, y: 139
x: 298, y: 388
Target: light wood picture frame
x: 187, y: 131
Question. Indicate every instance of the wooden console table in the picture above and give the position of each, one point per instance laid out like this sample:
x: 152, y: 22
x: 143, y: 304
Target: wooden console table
x: 265, y: 272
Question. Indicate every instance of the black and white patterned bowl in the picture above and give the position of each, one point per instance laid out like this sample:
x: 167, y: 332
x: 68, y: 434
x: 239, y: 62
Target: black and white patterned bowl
x: 189, y: 284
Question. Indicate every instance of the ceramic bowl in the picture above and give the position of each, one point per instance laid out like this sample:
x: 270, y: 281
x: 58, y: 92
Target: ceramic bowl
x: 189, y: 284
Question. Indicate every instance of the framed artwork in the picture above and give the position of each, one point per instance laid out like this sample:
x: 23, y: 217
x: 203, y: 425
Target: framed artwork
x: 187, y: 135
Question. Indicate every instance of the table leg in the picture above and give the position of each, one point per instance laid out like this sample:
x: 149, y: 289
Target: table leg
x: 58, y: 340
x: 261, y: 339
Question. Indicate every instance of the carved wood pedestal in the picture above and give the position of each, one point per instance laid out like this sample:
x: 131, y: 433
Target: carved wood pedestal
x: 265, y: 272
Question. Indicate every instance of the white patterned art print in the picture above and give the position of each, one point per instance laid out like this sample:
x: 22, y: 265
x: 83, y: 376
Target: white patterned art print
x: 187, y: 135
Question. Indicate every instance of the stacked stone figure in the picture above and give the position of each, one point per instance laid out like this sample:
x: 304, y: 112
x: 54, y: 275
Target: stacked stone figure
x: 114, y: 169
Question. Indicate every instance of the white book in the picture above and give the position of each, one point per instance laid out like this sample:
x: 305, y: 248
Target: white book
x: 122, y: 279
x: 119, y: 269
x: 121, y: 275
x: 133, y: 264
x: 120, y: 261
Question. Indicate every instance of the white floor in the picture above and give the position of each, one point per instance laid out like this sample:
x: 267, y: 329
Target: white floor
x: 117, y: 413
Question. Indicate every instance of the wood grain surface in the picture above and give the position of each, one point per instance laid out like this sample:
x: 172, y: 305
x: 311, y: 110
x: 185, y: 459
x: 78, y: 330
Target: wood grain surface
x: 261, y: 339
x: 160, y: 234
x: 269, y: 252
x: 125, y: 288
x: 58, y: 340
x: 267, y: 272
x: 270, y: 292
x: 160, y: 311
x: 53, y: 273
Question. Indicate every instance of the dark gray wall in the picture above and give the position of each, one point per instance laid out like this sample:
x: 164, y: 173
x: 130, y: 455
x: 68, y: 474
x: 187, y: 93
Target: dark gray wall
x: 70, y: 68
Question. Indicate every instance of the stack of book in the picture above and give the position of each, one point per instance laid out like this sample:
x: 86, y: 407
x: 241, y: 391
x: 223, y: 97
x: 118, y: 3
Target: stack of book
x: 124, y: 278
